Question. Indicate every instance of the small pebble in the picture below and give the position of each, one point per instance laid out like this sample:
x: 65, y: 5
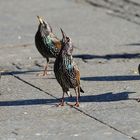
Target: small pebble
x: 25, y: 113
x: 37, y: 134
x: 29, y: 58
x: 76, y: 135
x: 107, y: 133
x: 19, y: 37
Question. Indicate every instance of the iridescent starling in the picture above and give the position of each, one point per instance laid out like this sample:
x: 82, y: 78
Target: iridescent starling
x: 46, y: 42
x: 66, y: 70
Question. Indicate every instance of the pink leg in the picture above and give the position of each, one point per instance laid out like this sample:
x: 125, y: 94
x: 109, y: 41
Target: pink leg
x: 77, y: 98
x: 62, y: 101
x: 45, y: 70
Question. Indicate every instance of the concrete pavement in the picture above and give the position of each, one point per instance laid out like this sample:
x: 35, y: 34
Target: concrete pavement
x: 106, y: 34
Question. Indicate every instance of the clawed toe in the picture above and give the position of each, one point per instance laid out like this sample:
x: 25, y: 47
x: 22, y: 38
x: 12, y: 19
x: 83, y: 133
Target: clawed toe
x: 75, y: 105
x: 41, y: 74
x: 60, y: 104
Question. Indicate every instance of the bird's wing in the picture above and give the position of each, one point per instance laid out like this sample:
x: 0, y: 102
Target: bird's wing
x: 55, y: 41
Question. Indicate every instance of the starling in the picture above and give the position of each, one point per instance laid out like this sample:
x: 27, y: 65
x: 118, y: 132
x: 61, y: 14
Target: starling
x: 46, y: 42
x: 66, y: 70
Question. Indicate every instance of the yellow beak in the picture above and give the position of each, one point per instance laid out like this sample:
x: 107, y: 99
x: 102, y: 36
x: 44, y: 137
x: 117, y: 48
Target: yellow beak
x: 40, y: 19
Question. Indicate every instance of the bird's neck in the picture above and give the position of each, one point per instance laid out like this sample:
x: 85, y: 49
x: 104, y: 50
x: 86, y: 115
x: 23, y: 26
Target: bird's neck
x: 66, y: 57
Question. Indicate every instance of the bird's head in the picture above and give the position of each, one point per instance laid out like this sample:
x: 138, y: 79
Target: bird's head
x: 67, y: 46
x: 44, y: 27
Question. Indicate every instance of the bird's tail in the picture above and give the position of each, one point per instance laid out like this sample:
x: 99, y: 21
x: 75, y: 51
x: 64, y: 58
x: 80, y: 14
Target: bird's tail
x: 81, y: 90
x: 139, y: 68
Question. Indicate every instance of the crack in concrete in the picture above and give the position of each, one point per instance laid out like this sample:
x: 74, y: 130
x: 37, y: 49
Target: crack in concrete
x: 79, y: 110
x: 110, y: 126
x: 17, y: 77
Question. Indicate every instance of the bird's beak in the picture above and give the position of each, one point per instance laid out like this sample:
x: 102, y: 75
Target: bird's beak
x: 40, y: 19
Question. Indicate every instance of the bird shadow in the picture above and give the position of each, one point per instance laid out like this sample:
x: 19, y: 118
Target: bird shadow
x: 106, y: 97
x: 21, y: 72
x: 132, y: 44
x: 112, y: 78
x: 28, y: 102
x: 108, y: 56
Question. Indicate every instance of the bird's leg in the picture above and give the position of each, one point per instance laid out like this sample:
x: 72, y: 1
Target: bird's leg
x: 45, y: 69
x: 62, y: 101
x: 79, y: 92
x: 77, y: 98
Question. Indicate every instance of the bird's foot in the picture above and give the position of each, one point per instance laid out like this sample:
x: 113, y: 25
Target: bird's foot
x: 41, y: 74
x: 60, y: 104
x: 75, y: 105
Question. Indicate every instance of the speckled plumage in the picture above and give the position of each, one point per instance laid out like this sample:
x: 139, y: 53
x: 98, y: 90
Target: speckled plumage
x: 46, y: 42
x: 66, y: 70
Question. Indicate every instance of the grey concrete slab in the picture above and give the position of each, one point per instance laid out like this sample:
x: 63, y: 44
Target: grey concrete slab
x: 27, y: 113
x: 107, y: 55
x: 125, y: 9
x: 107, y: 92
x: 101, y: 96
x: 18, y: 18
x: 125, y: 119
x: 136, y: 1
x: 13, y: 89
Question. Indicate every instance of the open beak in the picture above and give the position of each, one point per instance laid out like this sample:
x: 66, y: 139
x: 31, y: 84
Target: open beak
x: 40, y: 19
